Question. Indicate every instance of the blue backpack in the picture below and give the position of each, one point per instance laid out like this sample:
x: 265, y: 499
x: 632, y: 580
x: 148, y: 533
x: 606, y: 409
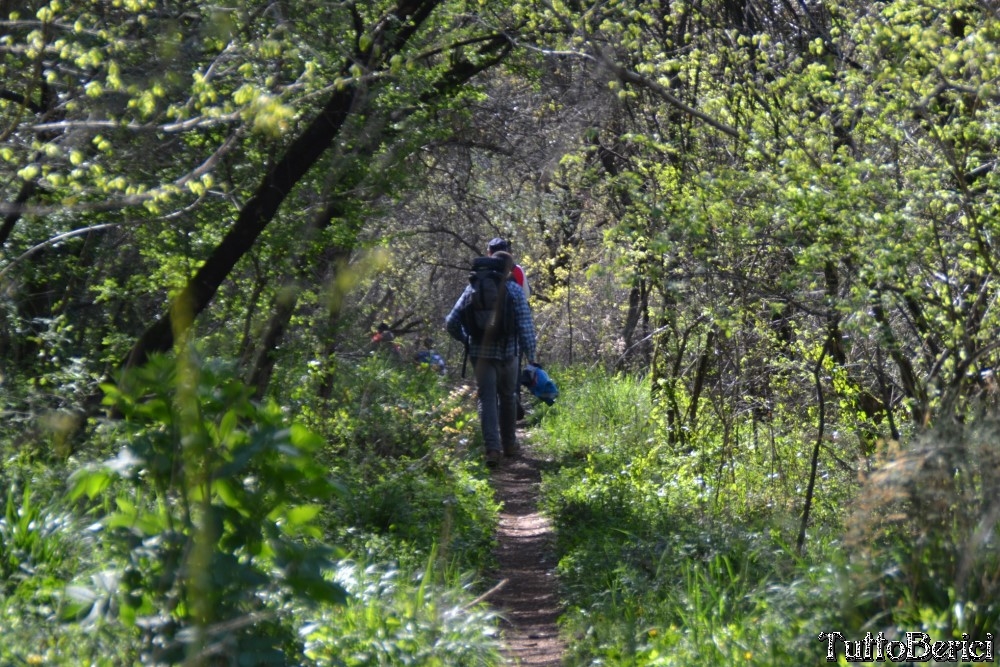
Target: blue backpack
x: 539, y: 384
x: 432, y: 359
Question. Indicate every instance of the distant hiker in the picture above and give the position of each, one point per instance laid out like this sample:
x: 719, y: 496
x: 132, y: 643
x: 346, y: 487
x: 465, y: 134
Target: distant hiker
x: 493, y: 320
x: 384, y: 342
x: 517, y: 273
x: 429, y: 358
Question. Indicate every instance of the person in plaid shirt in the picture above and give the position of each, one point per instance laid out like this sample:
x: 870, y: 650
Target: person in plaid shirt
x: 496, y: 364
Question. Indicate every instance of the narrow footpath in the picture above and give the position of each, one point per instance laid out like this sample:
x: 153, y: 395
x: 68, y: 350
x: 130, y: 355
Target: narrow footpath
x: 528, y: 600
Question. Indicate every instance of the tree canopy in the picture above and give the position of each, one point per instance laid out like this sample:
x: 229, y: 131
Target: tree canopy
x: 775, y: 216
x: 738, y: 187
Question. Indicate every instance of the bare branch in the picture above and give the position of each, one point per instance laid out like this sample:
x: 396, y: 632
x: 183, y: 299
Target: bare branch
x: 169, y: 128
x: 53, y: 241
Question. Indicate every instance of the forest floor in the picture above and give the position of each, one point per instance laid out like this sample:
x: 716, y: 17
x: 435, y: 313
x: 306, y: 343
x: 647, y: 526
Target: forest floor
x: 528, y: 600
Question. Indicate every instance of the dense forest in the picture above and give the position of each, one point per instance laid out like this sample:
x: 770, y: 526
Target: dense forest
x: 760, y: 242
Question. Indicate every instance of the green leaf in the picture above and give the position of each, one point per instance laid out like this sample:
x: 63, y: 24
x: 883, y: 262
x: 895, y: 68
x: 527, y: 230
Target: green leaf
x: 146, y: 523
x: 229, y: 496
x: 305, y: 439
x: 227, y: 425
x: 303, y: 514
x: 90, y: 482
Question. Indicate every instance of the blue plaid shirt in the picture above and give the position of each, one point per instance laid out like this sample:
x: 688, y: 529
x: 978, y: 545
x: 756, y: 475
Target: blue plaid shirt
x: 502, y: 350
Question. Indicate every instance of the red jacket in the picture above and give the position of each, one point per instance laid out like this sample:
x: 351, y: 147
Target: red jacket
x: 518, y: 275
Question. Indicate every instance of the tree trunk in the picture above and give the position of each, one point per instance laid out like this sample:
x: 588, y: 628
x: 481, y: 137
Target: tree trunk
x: 24, y: 194
x: 284, y: 307
x: 814, y: 462
x: 635, y: 338
x: 913, y: 388
x: 699, y: 379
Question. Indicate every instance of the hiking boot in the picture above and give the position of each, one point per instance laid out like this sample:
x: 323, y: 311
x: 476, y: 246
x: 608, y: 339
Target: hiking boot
x: 493, y: 457
x: 512, y: 452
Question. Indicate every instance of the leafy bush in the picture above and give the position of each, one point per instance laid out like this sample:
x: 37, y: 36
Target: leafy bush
x: 42, y: 546
x: 405, y: 445
x: 377, y: 409
x: 35, y: 541
x: 394, y: 620
x: 213, y: 521
x: 207, y: 535
x: 433, y: 503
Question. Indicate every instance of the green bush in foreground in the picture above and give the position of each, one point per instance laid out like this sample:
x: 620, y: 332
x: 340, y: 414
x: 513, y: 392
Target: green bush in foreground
x: 211, y: 520
x: 216, y: 533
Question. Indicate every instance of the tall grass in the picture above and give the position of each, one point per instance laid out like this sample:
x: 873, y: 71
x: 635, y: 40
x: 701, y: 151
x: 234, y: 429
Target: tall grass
x: 597, y: 415
x: 678, y: 557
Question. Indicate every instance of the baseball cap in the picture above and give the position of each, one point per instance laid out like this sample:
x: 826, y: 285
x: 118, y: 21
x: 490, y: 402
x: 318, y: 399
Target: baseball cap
x: 498, y: 244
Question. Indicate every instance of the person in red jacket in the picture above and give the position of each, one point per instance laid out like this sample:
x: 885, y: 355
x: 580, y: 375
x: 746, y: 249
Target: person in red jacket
x: 517, y: 274
x: 384, y: 342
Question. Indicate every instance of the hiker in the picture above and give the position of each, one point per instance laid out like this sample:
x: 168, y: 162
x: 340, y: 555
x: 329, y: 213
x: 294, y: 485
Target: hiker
x: 429, y: 357
x: 495, y: 335
x: 384, y: 342
x: 517, y: 273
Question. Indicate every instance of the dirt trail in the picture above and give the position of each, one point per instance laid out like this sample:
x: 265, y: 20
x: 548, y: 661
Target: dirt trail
x: 529, y: 600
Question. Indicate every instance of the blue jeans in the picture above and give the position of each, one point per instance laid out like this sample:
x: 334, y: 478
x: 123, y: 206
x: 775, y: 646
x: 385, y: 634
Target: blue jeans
x: 496, y: 384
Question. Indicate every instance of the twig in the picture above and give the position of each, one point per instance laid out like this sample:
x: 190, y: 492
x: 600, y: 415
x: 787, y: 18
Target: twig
x: 481, y: 598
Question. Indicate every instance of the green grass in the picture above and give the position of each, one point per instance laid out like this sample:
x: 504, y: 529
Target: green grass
x: 679, y: 557
x: 395, y: 619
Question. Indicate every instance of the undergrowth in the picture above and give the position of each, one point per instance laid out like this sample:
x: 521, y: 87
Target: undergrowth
x: 201, y: 526
x: 680, y: 556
